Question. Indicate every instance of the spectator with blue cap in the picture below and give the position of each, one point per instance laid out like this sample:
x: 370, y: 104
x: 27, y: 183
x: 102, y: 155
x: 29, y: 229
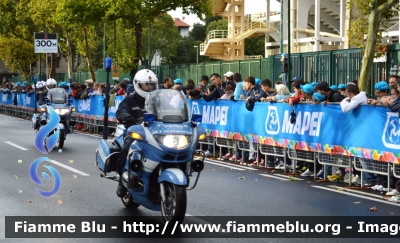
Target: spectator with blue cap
x: 334, y: 88
x: 284, y: 68
x: 342, y: 90
x: 330, y: 95
x: 308, y: 91
x: 258, y: 81
x: 178, y: 81
x: 318, y: 98
x: 381, y: 90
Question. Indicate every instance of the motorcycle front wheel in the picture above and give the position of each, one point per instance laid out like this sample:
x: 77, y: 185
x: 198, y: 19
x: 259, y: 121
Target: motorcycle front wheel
x: 61, y: 138
x: 128, y: 202
x: 174, y: 208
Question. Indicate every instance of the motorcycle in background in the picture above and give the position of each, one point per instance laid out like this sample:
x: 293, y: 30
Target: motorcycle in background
x: 67, y: 119
x: 162, y: 158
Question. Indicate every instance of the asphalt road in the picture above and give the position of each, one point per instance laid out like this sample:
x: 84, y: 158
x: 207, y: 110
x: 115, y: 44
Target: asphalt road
x: 223, y: 189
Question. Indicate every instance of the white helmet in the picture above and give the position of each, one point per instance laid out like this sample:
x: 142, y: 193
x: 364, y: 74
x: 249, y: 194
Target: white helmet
x: 143, y: 78
x: 51, y: 83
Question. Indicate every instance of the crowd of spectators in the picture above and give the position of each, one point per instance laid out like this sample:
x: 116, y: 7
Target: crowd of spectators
x: 251, y: 90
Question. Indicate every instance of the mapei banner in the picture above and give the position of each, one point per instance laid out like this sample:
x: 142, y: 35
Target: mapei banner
x: 368, y: 132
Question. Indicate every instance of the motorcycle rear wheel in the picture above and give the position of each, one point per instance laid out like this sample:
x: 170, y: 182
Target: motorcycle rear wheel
x: 128, y: 202
x: 174, y: 208
x: 61, y: 138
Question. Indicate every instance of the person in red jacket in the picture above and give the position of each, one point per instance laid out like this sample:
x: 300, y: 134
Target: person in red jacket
x: 298, y: 94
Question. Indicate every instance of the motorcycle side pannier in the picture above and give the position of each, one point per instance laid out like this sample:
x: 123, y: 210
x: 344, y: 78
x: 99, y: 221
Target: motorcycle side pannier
x: 107, y: 155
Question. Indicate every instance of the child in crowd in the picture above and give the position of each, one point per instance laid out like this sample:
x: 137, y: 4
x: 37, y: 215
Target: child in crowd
x: 228, y: 92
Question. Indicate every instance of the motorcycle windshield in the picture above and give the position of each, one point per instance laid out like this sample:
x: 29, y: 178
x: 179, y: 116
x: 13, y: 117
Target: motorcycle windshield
x: 167, y: 105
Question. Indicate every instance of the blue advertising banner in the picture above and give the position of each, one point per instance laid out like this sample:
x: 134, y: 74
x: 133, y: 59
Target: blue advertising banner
x: 368, y: 132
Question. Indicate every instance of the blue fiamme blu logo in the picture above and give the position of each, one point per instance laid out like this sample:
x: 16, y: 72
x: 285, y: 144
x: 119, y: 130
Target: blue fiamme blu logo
x: 35, y: 178
x: 42, y: 137
x: 43, y: 141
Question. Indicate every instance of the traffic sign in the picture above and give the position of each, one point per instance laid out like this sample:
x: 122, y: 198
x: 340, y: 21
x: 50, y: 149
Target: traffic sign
x: 115, y: 72
x: 46, y: 43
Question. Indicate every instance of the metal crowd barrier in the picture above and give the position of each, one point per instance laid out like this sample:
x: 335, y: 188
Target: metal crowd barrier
x: 374, y: 167
x: 396, y: 170
x: 208, y: 141
x: 268, y: 150
x: 226, y: 143
x: 337, y: 160
x: 248, y: 146
x: 305, y: 156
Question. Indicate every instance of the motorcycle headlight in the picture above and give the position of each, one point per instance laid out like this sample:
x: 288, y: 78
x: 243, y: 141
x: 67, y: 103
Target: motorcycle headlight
x: 174, y: 141
x: 62, y: 111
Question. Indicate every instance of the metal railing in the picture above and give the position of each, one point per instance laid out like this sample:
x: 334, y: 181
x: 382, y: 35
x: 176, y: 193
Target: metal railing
x: 214, y: 34
x: 337, y: 160
x: 372, y: 166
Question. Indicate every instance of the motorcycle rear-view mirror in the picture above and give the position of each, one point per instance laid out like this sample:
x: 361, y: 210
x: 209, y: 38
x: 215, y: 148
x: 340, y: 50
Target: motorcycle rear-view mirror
x: 148, y: 117
x: 197, y: 117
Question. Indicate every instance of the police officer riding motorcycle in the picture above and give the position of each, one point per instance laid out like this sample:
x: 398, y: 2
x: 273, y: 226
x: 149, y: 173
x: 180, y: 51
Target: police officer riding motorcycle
x: 130, y: 112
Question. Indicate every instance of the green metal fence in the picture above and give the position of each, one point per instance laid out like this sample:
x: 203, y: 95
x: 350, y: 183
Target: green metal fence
x: 340, y: 66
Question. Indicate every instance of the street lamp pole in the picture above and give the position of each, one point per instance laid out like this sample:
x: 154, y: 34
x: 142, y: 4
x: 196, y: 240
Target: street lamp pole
x: 197, y: 53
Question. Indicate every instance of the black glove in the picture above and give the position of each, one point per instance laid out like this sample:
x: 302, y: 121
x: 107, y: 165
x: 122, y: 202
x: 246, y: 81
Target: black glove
x: 129, y: 121
x: 232, y: 98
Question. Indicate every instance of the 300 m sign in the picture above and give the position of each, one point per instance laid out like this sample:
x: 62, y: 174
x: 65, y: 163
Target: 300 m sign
x: 46, y: 43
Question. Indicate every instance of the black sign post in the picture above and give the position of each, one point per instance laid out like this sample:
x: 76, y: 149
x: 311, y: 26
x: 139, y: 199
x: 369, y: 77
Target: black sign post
x: 107, y: 65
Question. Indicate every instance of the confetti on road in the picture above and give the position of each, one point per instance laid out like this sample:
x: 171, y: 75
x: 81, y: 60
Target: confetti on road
x: 59, y: 201
x: 19, y: 191
x: 20, y: 161
x: 16, y: 177
x: 74, y: 176
x: 373, y: 209
x: 71, y: 161
x: 30, y: 201
x: 357, y: 202
x: 242, y: 178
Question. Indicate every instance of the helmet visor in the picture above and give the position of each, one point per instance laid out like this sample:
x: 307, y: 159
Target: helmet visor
x: 148, y: 87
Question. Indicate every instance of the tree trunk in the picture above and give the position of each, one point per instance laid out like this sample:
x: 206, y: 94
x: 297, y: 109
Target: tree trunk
x: 369, y: 51
x: 70, y: 58
x: 138, y: 36
x: 53, y: 66
x: 88, y: 59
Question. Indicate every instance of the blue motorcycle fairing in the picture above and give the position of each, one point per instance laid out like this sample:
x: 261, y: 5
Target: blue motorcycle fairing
x: 142, y: 197
x: 174, y: 176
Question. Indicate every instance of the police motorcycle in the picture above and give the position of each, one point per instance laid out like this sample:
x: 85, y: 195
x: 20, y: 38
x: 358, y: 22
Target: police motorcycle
x: 61, y: 107
x: 162, y: 158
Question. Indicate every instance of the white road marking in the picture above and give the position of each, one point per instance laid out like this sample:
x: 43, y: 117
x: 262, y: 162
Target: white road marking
x: 359, y: 192
x: 69, y: 168
x: 288, y: 177
x: 360, y: 196
x: 15, y: 145
x: 236, y: 168
x: 274, y: 177
x: 234, y: 165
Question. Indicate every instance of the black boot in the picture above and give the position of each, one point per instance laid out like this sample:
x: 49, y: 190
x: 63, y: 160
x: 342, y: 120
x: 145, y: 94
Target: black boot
x: 121, y: 190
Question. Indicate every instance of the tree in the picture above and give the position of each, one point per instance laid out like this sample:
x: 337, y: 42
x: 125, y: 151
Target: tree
x: 221, y: 24
x: 198, y: 32
x: 84, y: 16
x: 17, y: 54
x: 164, y: 38
x: 373, y: 14
x: 16, y: 34
x: 136, y: 13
